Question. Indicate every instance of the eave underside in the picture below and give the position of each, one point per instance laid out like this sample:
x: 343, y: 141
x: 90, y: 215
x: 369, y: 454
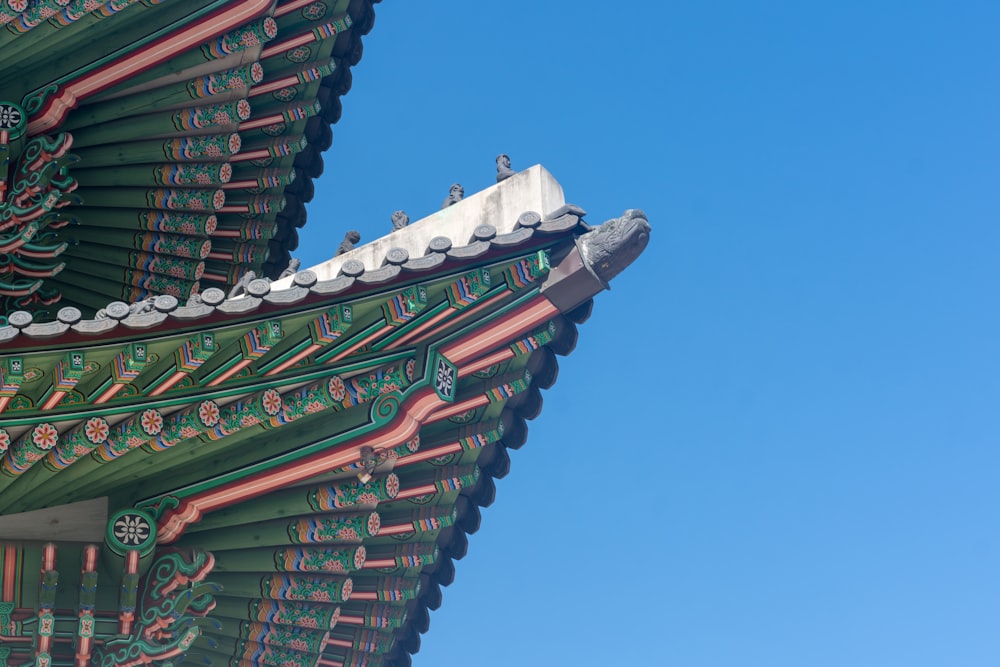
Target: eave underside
x: 330, y: 449
x: 192, y: 133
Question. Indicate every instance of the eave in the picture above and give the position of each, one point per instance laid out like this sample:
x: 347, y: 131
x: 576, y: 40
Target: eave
x: 394, y: 418
x: 191, y: 133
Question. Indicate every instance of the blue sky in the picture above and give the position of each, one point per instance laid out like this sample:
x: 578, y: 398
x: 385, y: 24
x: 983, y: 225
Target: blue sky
x: 776, y: 442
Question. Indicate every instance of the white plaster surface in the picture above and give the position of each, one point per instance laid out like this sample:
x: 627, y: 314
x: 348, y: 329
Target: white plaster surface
x: 533, y: 189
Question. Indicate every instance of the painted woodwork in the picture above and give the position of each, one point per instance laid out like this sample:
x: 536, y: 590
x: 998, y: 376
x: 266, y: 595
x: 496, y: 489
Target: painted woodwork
x: 158, y: 125
x: 279, y: 474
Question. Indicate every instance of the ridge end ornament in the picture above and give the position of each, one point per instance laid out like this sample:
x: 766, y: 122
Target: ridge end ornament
x: 608, y: 248
x: 596, y: 257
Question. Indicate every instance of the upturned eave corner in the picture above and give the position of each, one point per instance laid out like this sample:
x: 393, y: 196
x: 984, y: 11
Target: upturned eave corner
x: 210, y: 454
x: 586, y: 267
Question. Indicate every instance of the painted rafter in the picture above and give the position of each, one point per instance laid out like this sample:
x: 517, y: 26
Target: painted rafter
x: 151, y: 431
x: 199, y: 26
x: 404, y: 317
x: 403, y: 422
x: 168, y: 75
x: 400, y: 474
x: 95, y: 432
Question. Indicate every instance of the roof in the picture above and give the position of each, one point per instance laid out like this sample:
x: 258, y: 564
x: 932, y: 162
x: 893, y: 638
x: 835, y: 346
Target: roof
x: 175, y: 153
x: 201, y: 460
x: 310, y: 454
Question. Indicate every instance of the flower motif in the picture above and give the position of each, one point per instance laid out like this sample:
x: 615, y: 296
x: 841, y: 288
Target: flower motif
x: 366, y: 498
x: 271, y: 402
x: 10, y: 116
x: 392, y: 485
x: 208, y: 413
x: 346, y: 589
x: 298, y: 644
x: 360, y: 555
x: 315, y: 11
x: 248, y: 39
x: 243, y: 109
x: 347, y: 533
x: 131, y: 529
x: 151, y: 422
x: 411, y: 366
x: 285, y: 94
x: 299, y: 55
x: 4, y: 441
x: 274, y: 129
x: 45, y: 436
x: 234, y: 143
x: 96, y: 430
x: 336, y: 566
x: 374, y: 523
x: 337, y: 389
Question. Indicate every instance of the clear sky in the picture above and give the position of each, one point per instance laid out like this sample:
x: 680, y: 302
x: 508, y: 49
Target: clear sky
x: 776, y: 442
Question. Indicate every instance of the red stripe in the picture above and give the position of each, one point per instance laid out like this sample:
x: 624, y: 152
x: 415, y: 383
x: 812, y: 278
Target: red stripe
x: 163, y: 49
x: 9, y: 572
x: 409, y: 418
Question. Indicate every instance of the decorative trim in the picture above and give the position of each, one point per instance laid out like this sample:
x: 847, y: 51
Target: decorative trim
x: 175, y: 595
x: 131, y: 529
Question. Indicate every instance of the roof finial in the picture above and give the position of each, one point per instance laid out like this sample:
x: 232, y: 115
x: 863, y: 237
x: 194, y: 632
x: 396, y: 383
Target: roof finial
x: 291, y: 269
x: 455, y: 195
x: 241, y: 285
x: 350, y: 238
x: 399, y: 220
x: 503, y: 167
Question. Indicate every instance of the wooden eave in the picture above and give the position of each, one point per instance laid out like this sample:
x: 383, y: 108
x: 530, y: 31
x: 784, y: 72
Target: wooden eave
x: 299, y: 462
x: 258, y: 451
x: 194, y: 130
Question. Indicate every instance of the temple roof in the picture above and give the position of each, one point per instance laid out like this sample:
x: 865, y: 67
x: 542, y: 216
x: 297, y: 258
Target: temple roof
x: 208, y: 455
x: 309, y: 456
x: 176, y: 151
